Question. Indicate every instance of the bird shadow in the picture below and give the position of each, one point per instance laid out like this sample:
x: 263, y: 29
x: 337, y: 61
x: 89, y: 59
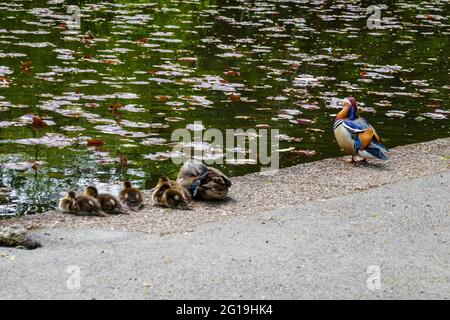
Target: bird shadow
x: 375, y: 165
x: 215, y: 203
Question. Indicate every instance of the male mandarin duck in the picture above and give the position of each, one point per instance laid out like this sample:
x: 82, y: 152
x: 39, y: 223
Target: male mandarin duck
x: 355, y: 135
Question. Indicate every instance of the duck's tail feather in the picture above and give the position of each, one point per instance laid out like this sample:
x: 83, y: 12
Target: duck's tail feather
x: 377, y: 150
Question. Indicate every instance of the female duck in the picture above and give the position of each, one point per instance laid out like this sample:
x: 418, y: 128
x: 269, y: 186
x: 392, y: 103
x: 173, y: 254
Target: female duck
x: 203, y: 182
x: 355, y: 136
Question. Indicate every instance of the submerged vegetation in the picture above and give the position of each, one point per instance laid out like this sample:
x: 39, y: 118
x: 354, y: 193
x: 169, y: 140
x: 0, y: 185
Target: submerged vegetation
x: 97, y: 105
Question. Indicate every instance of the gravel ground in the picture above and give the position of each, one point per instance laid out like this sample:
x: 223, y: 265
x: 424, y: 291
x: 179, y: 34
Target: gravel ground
x: 314, y: 250
x: 256, y: 193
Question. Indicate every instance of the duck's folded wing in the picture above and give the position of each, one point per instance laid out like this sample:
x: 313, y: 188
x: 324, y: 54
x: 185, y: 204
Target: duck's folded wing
x: 364, y: 131
x: 192, y: 168
x: 355, y: 126
x: 217, y: 172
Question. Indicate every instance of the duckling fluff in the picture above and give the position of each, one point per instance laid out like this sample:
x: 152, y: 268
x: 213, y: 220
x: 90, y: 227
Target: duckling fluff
x: 171, y: 195
x: 108, y: 203
x: 131, y: 198
x: 68, y: 204
x: 81, y: 205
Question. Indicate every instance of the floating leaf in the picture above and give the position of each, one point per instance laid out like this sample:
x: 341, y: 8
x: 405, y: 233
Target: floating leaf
x: 22, y: 166
x: 38, y: 123
x: 163, y: 98
x: 188, y: 59
x: 26, y: 65
x: 174, y: 119
x: 304, y: 153
x: 96, y: 142
x: 234, y: 97
x: 396, y: 114
x: 232, y: 73
x: 153, y: 141
x: 435, y: 116
x: 49, y: 140
x: 302, y: 121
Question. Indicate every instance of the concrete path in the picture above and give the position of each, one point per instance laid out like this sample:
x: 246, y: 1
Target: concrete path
x: 315, y: 250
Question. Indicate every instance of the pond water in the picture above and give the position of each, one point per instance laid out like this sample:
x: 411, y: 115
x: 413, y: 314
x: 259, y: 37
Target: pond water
x: 112, y: 92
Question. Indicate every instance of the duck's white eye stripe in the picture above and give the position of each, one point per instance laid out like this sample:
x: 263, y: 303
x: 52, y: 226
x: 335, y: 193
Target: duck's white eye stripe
x: 346, y: 101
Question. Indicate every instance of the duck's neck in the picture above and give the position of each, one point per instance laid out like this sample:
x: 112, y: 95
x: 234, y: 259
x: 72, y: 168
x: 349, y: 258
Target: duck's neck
x: 353, y: 114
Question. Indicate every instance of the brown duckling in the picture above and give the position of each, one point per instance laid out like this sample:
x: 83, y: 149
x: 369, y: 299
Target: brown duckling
x: 81, y: 205
x: 109, y: 203
x: 170, y: 194
x: 203, y: 182
x: 132, y: 198
x: 68, y: 203
x: 4, y: 194
x: 89, y: 206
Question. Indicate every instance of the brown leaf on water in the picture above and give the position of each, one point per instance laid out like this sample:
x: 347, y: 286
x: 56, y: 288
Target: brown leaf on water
x: 62, y: 26
x: 4, y: 81
x: 234, y: 97
x: 114, y: 108
x: 34, y: 165
x: 303, y: 121
x: 304, y: 153
x: 88, y: 37
x: 188, y: 59
x: 111, y: 61
x: 95, y: 142
x: 143, y: 40
x: 26, y: 65
x: 38, y: 123
x: 163, y: 98
x: 232, y: 73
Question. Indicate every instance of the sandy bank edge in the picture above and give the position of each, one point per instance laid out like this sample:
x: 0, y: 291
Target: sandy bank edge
x: 255, y: 193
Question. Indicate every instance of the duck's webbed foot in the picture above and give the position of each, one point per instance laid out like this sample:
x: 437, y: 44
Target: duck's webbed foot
x: 351, y: 160
x: 358, y: 160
